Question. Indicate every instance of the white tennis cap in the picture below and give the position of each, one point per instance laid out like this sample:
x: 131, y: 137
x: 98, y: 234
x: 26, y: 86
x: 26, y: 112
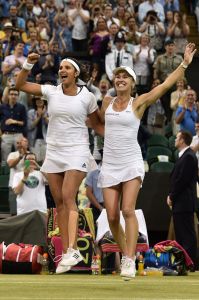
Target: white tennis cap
x: 127, y: 69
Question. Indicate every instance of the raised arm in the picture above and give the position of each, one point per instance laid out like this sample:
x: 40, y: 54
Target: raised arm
x: 21, y: 83
x: 145, y: 100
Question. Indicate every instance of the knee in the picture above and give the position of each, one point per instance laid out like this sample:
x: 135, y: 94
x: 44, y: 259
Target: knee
x: 114, y: 219
x: 128, y: 213
x: 69, y: 201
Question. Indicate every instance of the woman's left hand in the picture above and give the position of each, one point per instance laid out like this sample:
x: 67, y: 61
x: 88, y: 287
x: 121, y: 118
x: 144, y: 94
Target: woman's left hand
x: 189, y: 52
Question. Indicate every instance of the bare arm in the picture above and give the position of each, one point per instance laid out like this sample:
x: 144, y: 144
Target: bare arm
x: 92, y: 199
x: 180, y: 117
x: 145, y: 100
x: 25, y: 86
x: 96, y: 123
x: 105, y: 103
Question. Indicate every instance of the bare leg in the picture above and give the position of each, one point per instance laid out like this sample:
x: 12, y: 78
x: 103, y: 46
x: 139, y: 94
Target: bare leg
x: 111, y: 200
x: 72, y: 181
x: 55, y: 182
x: 130, y: 192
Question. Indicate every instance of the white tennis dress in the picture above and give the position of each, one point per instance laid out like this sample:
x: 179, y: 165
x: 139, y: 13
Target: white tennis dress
x: 67, y: 136
x: 122, y: 157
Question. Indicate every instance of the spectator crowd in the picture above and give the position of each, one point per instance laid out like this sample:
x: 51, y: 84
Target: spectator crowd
x: 149, y: 36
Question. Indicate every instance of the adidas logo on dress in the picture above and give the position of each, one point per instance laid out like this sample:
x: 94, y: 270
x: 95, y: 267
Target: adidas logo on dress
x: 84, y: 165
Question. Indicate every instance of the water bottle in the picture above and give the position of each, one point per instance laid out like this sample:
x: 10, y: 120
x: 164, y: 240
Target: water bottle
x: 140, y: 264
x: 95, y: 266
x: 99, y: 264
x: 45, y: 263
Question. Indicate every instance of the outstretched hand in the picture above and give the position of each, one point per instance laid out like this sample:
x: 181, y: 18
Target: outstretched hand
x: 189, y: 52
x: 33, y: 58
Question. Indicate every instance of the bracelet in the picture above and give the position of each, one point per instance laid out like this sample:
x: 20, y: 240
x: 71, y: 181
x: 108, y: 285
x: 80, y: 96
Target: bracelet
x: 184, y: 65
x: 27, y: 66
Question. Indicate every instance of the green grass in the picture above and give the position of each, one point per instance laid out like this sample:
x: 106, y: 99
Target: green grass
x: 104, y: 287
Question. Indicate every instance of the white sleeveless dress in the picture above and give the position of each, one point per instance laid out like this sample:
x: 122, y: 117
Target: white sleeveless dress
x: 122, y: 157
x: 67, y: 135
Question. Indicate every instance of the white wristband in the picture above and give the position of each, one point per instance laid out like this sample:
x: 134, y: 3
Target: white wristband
x: 27, y: 66
x: 183, y: 65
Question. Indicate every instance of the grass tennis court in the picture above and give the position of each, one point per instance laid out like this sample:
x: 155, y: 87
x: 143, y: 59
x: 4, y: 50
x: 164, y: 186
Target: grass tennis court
x: 89, y: 287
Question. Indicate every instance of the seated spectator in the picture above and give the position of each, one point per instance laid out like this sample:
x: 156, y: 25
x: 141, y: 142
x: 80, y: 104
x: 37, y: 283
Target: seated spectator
x: 150, y: 5
x: 13, y: 121
x: 37, y: 127
x: 143, y: 58
x: 126, y: 5
x: 94, y: 193
x: 15, y: 161
x: 29, y: 186
x: 179, y: 30
x: 26, y: 9
x: 37, y: 8
x: 155, y: 29
x: 177, y: 99
x: 168, y: 21
x: 187, y: 115
x: 120, y: 15
x: 32, y: 44
x: 118, y: 57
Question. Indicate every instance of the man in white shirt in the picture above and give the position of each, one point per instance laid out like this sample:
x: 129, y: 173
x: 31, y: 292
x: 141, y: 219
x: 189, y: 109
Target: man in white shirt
x: 29, y: 186
x: 80, y: 18
x: 118, y: 57
x: 150, y: 5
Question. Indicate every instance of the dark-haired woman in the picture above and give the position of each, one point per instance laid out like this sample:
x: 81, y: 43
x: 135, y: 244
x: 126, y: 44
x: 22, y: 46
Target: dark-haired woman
x: 68, y: 157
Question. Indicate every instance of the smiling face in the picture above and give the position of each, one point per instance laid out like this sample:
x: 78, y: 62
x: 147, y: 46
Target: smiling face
x: 67, y: 73
x: 123, y: 82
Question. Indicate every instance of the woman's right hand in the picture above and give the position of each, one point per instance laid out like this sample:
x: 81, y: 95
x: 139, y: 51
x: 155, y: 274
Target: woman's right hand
x: 33, y: 58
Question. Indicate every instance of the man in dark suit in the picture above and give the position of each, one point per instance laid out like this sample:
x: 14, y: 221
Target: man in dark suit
x: 182, y: 196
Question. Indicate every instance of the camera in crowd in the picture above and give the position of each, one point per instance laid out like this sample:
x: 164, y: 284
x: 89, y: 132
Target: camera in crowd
x: 151, y: 17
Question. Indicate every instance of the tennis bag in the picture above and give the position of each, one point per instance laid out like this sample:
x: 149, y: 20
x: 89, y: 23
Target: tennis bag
x: 20, y: 258
x: 168, y: 254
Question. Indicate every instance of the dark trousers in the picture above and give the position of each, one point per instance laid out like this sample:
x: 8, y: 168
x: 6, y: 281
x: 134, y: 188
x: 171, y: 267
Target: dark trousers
x: 185, y: 233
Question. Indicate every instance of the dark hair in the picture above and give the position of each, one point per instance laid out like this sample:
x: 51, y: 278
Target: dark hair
x: 186, y: 136
x: 13, y: 88
x: 30, y: 153
x: 35, y: 98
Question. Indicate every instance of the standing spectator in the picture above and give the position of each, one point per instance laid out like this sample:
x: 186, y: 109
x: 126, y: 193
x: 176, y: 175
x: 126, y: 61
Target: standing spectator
x: 43, y: 28
x: 17, y: 22
x: 118, y: 57
x: 108, y: 13
x: 186, y: 115
x: 99, y: 44
x: 50, y: 11
x: 154, y: 28
x: 113, y: 30
x: 37, y: 127
x: 29, y: 186
x: 182, y: 195
x: 132, y: 34
x: 80, y: 18
x: 62, y: 32
x: 14, y: 61
x: 164, y: 65
x: 179, y: 30
x: 177, y: 99
x: 15, y: 162
x: 156, y: 117
x: 150, y: 5
x: 13, y: 122
x: 143, y: 58
x: 195, y: 142
x: 26, y: 9
x: 170, y: 5
x: 47, y: 64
